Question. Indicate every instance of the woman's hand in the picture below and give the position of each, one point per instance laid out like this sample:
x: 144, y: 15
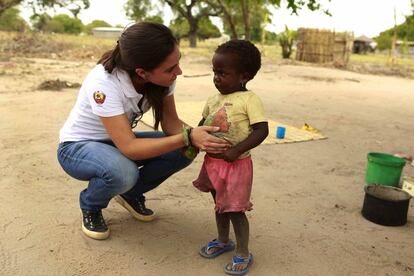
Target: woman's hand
x: 201, y: 138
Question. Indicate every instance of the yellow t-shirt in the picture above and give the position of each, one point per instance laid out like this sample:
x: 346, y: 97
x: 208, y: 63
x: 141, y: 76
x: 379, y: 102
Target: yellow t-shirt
x: 234, y: 113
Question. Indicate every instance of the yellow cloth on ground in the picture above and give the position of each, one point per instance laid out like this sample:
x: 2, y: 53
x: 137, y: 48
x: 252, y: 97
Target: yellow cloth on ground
x: 191, y: 114
x: 408, y: 184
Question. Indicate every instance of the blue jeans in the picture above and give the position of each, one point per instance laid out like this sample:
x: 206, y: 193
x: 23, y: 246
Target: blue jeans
x: 110, y: 173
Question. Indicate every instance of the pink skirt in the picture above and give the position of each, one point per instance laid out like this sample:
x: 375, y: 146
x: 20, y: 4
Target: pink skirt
x: 232, y: 183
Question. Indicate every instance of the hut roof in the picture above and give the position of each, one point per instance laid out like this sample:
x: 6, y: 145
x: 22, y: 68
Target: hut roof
x: 363, y: 38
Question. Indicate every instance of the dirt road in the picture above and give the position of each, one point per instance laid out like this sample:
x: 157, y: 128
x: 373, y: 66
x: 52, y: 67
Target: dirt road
x: 307, y: 196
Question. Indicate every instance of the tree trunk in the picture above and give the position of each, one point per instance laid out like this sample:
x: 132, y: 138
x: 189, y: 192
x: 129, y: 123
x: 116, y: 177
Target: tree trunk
x: 246, y: 19
x: 232, y: 26
x: 192, y: 37
x: 394, y: 39
x: 229, y: 19
x: 263, y: 34
x: 186, y: 12
x: 192, y: 34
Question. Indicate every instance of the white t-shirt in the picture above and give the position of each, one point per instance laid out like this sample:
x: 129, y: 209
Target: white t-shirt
x: 102, y: 94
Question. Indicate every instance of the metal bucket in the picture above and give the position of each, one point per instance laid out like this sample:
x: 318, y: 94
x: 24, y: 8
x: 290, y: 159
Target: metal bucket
x: 386, y: 205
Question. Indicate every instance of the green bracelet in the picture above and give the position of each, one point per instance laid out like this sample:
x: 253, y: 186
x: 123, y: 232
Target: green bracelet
x: 190, y: 152
x: 186, y: 137
x: 189, y: 136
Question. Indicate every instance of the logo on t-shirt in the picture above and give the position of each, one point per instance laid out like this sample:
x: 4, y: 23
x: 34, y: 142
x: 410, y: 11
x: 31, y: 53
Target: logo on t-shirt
x: 99, y: 97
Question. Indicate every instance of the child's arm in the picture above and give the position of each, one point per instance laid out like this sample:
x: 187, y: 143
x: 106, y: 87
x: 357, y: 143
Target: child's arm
x: 259, y: 133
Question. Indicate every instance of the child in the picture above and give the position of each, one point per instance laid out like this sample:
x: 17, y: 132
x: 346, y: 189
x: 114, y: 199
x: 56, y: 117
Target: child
x: 240, y: 115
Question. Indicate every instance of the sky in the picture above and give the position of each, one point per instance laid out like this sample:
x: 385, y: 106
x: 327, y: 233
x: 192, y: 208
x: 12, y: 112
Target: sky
x: 363, y: 17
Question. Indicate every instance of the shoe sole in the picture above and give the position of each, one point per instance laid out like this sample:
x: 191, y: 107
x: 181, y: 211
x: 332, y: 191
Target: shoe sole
x: 95, y: 235
x: 131, y: 210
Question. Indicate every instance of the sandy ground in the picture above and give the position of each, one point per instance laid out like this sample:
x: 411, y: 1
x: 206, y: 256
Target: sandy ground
x: 307, y: 196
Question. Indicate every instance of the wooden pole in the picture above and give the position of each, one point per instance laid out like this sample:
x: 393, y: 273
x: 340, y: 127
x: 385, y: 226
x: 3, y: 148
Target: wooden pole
x: 263, y: 37
x: 394, y: 39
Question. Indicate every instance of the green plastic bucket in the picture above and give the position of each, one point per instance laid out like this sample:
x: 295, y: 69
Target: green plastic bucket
x: 383, y: 169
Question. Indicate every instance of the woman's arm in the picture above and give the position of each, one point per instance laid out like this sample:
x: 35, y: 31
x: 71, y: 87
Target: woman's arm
x: 134, y: 148
x: 170, y: 123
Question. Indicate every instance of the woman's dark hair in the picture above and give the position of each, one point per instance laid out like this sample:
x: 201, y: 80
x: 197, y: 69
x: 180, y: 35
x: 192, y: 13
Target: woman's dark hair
x: 143, y: 45
x: 248, y: 56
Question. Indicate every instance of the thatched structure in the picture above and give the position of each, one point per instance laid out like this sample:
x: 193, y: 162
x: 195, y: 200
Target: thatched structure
x: 323, y: 46
x: 362, y: 45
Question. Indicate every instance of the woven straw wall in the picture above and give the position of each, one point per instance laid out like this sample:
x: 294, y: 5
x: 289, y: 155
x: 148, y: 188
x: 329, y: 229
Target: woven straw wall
x: 323, y: 46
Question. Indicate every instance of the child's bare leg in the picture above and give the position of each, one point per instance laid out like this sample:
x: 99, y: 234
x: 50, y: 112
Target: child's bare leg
x: 241, y: 230
x: 223, y: 223
x: 223, y: 227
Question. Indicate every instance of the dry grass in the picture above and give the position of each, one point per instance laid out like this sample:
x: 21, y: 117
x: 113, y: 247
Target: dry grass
x: 89, y: 48
x: 380, y: 64
x: 74, y: 47
x: 67, y: 47
x: 382, y: 59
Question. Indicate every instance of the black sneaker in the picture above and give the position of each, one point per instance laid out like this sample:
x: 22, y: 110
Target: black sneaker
x: 136, y: 207
x: 93, y: 225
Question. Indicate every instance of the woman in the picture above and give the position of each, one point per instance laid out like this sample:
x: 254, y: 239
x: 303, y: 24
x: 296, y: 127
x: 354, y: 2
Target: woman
x: 97, y: 142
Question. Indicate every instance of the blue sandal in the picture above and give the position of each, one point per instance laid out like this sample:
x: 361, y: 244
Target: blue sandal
x: 237, y: 260
x: 223, y: 247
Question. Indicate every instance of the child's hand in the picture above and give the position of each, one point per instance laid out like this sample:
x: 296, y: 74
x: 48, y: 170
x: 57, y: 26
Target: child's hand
x: 231, y: 154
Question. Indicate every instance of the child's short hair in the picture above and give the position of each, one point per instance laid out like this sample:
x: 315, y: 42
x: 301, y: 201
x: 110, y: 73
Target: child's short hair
x: 249, y: 57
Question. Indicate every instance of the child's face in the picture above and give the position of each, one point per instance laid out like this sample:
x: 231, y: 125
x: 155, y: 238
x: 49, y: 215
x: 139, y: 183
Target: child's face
x: 227, y: 78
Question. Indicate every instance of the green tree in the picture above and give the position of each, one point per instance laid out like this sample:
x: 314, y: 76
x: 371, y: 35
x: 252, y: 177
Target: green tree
x: 258, y: 18
x: 7, y: 4
x: 40, y: 21
x: 179, y: 27
x: 10, y: 20
x: 240, y: 17
x: 230, y: 13
x: 384, y: 41
x: 270, y: 36
x: 54, y: 26
x: 63, y: 23
x: 154, y: 18
x: 207, y: 29
x: 404, y: 31
x: 75, y: 6
x: 193, y: 11
x: 405, y: 47
x: 95, y: 24
x: 254, y: 14
x: 286, y: 40
x: 39, y: 6
x: 140, y: 10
